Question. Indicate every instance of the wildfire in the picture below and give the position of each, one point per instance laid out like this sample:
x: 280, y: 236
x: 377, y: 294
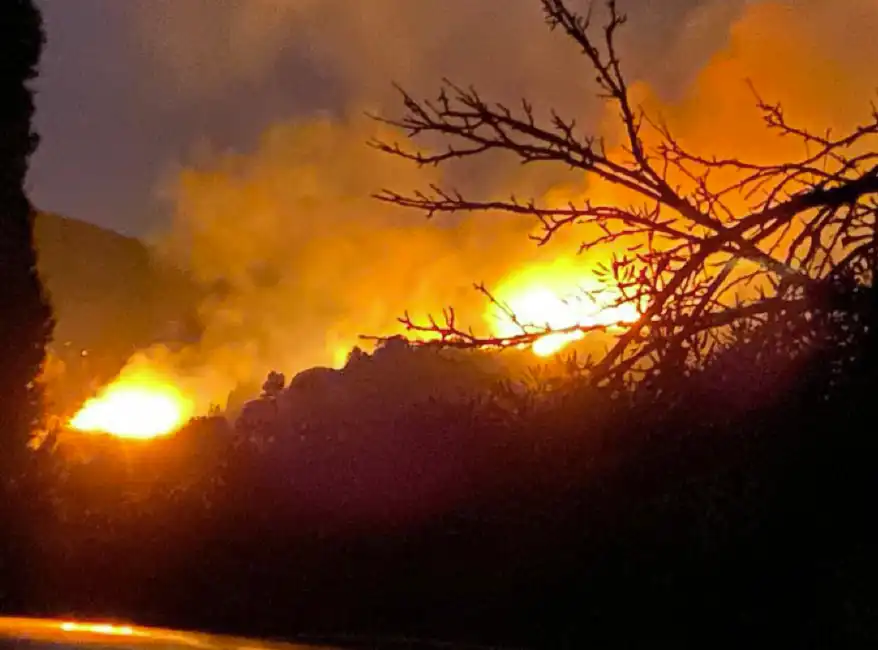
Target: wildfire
x: 556, y: 297
x: 138, y: 405
x: 107, y: 629
x: 143, y: 403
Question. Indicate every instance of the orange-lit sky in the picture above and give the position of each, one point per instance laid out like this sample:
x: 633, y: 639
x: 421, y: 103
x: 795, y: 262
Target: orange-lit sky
x: 232, y: 132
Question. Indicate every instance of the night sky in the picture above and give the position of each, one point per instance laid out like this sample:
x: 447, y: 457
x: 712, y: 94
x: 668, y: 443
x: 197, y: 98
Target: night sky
x: 130, y: 87
x: 111, y: 125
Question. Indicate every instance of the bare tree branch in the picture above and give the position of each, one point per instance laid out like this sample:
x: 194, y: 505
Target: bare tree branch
x: 682, y: 254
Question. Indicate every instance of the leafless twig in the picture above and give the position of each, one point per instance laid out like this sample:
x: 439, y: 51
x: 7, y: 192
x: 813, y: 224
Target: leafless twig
x: 687, y: 253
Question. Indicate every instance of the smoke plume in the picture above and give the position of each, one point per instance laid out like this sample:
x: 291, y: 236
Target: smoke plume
x: 303, y: 261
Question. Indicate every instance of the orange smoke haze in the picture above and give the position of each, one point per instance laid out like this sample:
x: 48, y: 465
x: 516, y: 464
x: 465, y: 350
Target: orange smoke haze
x: 309, y: 261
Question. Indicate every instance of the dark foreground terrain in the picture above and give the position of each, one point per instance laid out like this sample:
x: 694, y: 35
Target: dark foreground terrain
x: 732, y: 505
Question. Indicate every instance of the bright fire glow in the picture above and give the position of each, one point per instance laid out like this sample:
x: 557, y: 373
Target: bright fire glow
x: 107, y: 629
x: 139, y: 405
x: 556, y: 297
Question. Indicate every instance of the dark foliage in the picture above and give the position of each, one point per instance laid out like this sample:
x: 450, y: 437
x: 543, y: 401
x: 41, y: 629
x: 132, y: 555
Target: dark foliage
x: 25, y: 326
x: 706, y: 510
x: 25, y: 316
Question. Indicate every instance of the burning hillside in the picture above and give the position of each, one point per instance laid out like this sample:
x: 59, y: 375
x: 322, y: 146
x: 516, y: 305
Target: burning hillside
x: 301, y: 260
x: 145, y: 402
x: 110, y: 299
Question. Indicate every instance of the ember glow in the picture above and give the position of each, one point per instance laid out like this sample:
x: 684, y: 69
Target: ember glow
x: 138, y: 405
x: 106, y: 629
x: 555, y: 298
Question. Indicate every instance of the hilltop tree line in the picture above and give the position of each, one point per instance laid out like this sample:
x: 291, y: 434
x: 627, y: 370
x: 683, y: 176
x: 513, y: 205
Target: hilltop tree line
x: 25, y: 316
x: 707, y: 482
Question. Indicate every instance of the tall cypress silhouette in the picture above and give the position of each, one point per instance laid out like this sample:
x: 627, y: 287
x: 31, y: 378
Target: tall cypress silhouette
x: 25, y: 315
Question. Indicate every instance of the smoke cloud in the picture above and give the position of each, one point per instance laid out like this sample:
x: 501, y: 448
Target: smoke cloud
x: 815, y: 57
x: 304, y: 261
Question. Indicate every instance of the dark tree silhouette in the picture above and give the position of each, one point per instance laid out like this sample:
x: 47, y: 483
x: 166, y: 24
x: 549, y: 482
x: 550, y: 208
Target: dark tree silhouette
x: 693, y: 260
x: 26, y: 321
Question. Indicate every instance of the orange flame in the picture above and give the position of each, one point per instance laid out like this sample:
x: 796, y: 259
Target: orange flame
x: 139, y: 405
x: 107, y: 629
x: 557, y: 297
